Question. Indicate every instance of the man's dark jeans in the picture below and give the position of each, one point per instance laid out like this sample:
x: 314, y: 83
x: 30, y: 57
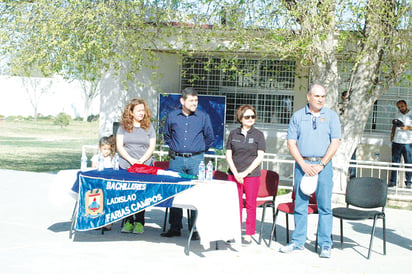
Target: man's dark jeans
x: 399, y: 150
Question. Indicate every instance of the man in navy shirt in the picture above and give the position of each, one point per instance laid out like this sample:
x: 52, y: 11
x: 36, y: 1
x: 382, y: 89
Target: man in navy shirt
x: 313, y: 137
x: 188, y: 132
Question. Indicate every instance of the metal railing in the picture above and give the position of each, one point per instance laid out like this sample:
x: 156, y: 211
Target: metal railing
x: 284, y: 165
x: 383, y: 171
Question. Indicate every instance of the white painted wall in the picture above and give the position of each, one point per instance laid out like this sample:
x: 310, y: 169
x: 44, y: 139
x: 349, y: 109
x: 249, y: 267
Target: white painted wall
x: 114, y: 97
x: 64, y: 96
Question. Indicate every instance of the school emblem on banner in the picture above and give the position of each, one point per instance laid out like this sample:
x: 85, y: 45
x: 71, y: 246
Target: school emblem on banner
x: 94, y: 201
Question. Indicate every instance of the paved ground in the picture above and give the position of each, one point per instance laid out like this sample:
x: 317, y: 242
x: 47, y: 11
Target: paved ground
x: 34, y: 239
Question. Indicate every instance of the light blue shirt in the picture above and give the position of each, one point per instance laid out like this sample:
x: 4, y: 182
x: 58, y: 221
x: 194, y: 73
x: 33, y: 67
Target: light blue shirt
x: 314, y: 134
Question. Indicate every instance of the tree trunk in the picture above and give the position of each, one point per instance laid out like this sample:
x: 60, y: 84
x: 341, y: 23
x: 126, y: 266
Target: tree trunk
x: 90, y: 91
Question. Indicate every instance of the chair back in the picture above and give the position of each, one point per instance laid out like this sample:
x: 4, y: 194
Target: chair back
x: 269, y: 183
x: 161, y: 164
x: 116, y: 126
x: 220, y: 175
x: 366, y: 192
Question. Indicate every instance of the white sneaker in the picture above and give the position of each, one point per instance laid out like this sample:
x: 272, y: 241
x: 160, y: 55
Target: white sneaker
x: 290, y: 247
x: 325, y: 252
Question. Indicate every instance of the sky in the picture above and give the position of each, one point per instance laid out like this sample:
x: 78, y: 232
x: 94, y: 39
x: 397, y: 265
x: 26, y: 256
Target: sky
x: 63, y: 96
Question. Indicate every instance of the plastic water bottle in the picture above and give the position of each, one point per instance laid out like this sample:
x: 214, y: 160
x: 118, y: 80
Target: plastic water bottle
x: 83, y: 162
x: 209, y: 171
x: 201, y: 176
x: 377, y: 157
x: 100, y: 166
x: 116, y: 162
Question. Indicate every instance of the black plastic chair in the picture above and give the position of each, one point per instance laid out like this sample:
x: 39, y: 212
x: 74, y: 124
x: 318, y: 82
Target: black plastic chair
x: 365, y: 193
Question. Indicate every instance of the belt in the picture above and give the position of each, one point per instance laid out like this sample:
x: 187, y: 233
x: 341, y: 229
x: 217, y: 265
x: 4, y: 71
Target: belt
x: 312, y: 159
x: 186, y: 155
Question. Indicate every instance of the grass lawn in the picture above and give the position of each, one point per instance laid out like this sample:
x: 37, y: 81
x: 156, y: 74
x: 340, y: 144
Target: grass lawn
x: 42, y: 146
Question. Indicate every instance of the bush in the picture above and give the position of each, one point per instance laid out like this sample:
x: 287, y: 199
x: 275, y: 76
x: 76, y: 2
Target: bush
x: 45, y: 118
x: 62, y: 119
x: 92, y: 118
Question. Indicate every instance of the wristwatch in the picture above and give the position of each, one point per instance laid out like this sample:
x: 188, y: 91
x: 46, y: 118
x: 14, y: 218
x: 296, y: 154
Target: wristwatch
x: 322, y: 164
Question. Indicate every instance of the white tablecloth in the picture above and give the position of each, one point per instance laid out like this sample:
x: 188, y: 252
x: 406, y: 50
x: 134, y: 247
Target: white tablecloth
x: 217, y: 208
x: 216, y: 202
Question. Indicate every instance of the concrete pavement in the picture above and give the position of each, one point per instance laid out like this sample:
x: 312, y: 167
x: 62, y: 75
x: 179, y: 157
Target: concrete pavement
x: 34, y: 238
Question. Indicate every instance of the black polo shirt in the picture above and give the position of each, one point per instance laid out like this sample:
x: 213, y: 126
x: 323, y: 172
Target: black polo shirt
x: 245, y: 148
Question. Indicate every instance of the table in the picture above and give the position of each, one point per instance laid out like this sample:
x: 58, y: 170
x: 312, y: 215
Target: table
x: 218, y: 216
x: 216, y: 202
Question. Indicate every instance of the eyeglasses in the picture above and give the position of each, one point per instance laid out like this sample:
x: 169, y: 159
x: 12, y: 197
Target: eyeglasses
x: 247, y: 117
x: 314, y: 122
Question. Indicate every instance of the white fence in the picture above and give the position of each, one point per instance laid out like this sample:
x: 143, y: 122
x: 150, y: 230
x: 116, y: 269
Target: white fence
x: 284, y: 166
x: 383, y: 170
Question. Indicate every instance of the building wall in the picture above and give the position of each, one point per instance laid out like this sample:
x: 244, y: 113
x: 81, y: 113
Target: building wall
x: 114, y: 98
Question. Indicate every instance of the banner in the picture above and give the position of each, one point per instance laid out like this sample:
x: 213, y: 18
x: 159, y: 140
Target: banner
x: 103, y: 201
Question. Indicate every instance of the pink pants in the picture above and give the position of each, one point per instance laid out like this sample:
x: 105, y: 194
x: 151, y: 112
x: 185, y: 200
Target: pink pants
x: 250, y: 187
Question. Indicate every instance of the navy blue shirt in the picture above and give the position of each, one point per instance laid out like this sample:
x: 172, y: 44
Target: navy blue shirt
x: 188, y: 134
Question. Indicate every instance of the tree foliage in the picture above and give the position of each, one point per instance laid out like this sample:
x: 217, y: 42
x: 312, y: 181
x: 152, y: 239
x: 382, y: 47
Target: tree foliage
x: 62, y: 119
x: 82, y: 39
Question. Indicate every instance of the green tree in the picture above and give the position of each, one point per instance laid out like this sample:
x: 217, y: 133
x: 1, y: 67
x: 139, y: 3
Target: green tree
x: 373, y: 37
x: 79, y: 40
x: 84, y: 39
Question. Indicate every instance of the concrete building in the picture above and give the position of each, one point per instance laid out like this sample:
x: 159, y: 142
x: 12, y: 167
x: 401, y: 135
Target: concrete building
x: 275, y: 87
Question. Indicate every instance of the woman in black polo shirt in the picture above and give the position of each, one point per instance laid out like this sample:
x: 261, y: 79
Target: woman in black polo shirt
x: 245, y: 150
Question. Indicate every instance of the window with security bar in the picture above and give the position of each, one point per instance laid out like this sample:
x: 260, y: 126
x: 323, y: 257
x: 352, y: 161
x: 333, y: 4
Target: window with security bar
x: 384, y: 110
x: 265, y: 84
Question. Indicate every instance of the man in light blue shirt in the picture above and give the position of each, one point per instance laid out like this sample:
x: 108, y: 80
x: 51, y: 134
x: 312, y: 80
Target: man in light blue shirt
x: 313, y: 137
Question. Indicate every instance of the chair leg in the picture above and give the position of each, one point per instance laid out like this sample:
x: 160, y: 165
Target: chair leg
x: 187, y: 247
x: 74, y: 217
x: 273, y: 231
x: 273, y: 220
x: 287, y: 228
x: 261, y: 223
x: 384, y: 234
x: 341, y: 233
x: 372, y: 234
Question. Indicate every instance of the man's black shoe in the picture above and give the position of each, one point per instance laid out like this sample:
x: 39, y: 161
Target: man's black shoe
x: 195, y: 236
x: 391, y: 185
x: 170, y: 234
